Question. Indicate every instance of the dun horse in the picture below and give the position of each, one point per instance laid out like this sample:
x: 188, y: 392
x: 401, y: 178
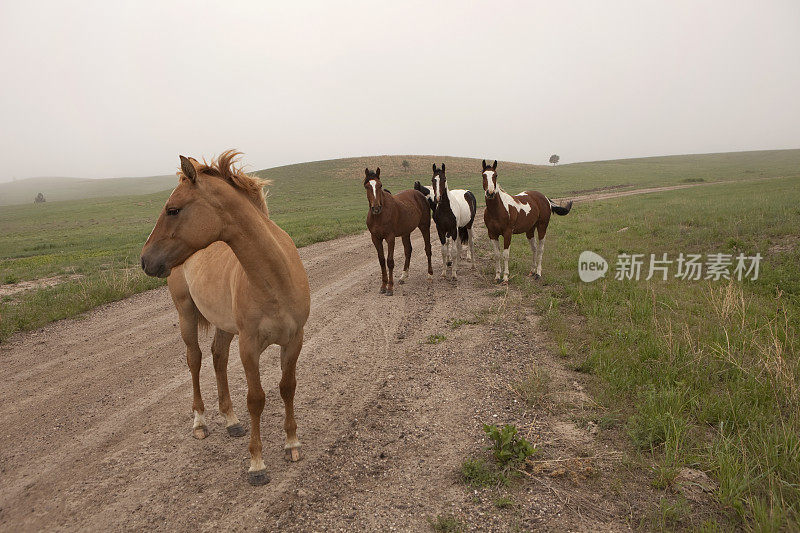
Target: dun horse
x: 454, y: 215
x: 228, y: 264
x: 391, y: 216
x: 527, y: 212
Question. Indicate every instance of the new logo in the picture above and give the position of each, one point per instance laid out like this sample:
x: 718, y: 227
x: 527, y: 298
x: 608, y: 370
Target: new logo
x: 591, y: 266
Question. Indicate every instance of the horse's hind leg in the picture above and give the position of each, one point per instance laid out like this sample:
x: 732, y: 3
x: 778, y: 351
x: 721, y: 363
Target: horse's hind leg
x: 220, y: 349
x: 531, y: 235
x: 425, y: 228
x: 407, y: 251
x: 540, y: 251
x: 471, y: 248
x: 289, y: 354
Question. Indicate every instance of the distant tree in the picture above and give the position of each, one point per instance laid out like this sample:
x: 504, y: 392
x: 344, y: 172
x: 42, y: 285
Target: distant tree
x: 39, y: 199
x: 554, y: 159
x: 405, y: 164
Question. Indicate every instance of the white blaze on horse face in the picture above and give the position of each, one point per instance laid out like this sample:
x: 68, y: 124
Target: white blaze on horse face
x: 489, y: 175
x: 374, y: 188
x: 436, y: 190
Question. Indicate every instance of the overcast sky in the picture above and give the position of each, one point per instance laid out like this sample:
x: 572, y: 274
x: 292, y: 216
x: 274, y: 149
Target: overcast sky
x: 112, y: 88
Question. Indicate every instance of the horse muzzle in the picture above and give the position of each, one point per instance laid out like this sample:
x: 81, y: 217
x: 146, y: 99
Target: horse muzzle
x: 376, y: 209
x: 155, y: 269
x: 490, y: 196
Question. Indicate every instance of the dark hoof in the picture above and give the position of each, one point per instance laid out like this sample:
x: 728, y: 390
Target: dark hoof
x: 292, y: 454
x: 383, y: 290
x: 389, y: 292
x: 258, y: 478
x: 401, y: 281
x: 200, y: 432
x: 449, y: 263
x: 537, y: 276
x: 236, y: 430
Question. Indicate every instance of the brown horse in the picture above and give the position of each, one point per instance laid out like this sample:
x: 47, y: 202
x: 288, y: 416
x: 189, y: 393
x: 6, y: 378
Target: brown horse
x: 528, y: 212
x: 395, y: 215
x: 228, y: 264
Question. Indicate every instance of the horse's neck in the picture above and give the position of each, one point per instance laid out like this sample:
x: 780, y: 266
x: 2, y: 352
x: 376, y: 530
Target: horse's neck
x: 445, y: 199
x: 495, y: 203
x: 255, y: 241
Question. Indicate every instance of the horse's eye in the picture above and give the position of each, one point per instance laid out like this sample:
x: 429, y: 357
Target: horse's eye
x: 173, y: 211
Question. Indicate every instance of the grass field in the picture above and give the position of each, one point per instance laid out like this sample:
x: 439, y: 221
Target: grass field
x: 99, y: 239
x: 704, y: 374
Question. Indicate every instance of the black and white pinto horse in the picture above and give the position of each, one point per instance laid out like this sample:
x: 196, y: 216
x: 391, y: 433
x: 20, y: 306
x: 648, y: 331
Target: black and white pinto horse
x: 453, y: 213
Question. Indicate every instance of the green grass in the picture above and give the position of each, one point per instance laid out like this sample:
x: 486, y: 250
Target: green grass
x: 447, y: 524
x: 703, y: 373
x: 100, y: 237
x: 435, y: 339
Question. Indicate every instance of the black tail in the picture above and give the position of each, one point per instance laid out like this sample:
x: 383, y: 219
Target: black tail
x: 558, y: 210
x: 463, y: 233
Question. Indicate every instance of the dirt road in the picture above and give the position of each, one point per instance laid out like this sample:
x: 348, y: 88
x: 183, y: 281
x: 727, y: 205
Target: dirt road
x: 96, y: 414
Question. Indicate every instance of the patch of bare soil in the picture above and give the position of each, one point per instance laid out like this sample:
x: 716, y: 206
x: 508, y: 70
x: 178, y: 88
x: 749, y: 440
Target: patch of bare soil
x: 41, y: 283
x: 97, y: 417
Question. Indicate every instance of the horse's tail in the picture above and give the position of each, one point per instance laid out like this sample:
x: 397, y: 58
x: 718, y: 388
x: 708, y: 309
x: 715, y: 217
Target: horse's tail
x: 559, y: 210
x: 463, y: 233
x: 202, y: 323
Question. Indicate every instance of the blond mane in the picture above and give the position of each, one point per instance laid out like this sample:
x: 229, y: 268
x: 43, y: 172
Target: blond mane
x: 224, y: 167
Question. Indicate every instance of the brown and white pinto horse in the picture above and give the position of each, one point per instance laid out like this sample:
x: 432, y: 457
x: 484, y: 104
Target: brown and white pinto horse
x: 228, y: 264
x: 395, y: 215
x: 506, y: 215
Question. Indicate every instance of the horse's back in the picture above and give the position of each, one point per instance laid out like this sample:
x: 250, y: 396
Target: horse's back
x: 414, y: 204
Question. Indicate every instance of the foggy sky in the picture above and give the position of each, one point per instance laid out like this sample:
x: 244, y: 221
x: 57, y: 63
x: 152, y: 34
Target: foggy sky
x: 112, y: 88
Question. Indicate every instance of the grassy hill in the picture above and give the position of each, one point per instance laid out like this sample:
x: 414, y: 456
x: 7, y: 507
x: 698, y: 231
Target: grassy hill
x: 61, y: 189
x: 100, y: 239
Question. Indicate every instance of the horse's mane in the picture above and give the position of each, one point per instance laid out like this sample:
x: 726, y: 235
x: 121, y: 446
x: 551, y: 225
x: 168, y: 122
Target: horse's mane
x: 224, y: 167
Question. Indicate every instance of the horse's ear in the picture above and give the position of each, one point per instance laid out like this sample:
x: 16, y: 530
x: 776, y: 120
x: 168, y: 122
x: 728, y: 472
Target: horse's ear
x: 188, y: 169
x: 434, y: 168
x: 366, y: 172
x: 484, y: 164
x: 417, y: 185
x: 442, y: 167
x: 494, y: 167
x: 378, y: 172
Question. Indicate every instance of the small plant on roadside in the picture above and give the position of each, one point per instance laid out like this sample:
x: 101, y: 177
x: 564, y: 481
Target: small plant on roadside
x: 446, y: 524
x: 532, y: 388
x: 508, y: 447
x: 504, y: 502
x: 435, y: 339
x: 478, y: 473
x: 458, y: 322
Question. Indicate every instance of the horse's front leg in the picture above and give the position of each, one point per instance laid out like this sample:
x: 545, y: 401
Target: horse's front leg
x: 498, y: 259
x: 506, y: 246
x: 289, y: 354
x: 390, y: 264
x: 457, y: 256
x: 445, y: 254
x: 250, y: 353
x: 378, y: 242
x: 220, y: 350
x: 187, y: 316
